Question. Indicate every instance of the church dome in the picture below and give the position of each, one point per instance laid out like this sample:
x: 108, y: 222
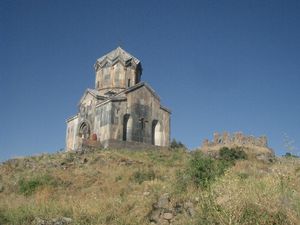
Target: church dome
x: 115, y: 56
x: 117, y: 71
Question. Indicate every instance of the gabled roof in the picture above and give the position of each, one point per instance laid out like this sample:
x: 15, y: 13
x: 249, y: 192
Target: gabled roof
x: 121, y: 97
x: 141, y: 84
x: 115, y: 56
x: 150, y: 89
x: 94, y: 93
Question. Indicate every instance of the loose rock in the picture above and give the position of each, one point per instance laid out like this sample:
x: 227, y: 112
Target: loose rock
x: 154, y: 215
x: 189, y: 207
x: 168, y: 216
x: 163, y: 201
x: 57, y: 221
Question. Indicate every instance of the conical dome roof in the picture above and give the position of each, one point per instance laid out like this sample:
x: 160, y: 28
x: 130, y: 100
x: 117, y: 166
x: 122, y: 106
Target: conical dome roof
x: 117, y: 55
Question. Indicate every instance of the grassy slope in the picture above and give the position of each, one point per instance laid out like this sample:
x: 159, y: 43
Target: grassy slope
x: 120, y: 187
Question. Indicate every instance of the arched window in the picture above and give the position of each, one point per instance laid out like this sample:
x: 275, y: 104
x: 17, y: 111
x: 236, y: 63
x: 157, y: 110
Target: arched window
x: 128, y: 83
x: 84, y: 130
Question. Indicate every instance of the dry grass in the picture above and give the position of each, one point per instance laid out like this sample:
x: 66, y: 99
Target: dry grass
x: 99, y: 188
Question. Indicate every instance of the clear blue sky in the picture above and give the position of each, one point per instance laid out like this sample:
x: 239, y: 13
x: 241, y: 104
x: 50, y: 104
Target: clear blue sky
x: 218, y: 64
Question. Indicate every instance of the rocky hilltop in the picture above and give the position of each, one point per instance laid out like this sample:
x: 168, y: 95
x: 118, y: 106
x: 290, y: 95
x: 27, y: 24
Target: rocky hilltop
x: 154, y: 187
x: 257, y: 146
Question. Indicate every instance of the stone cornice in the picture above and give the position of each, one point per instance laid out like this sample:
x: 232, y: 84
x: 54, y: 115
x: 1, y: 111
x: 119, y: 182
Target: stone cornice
x: 141, y: 84
x: 112, y: 99
x: 72, y: 118
x: 165, y: 109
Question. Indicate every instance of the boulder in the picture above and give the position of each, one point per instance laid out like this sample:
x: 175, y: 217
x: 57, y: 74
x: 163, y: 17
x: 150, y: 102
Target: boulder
x: 168, y: 216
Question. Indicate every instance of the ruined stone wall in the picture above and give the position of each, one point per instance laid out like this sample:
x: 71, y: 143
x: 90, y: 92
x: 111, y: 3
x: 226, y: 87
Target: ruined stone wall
x: 254, y: 146
x: 238, y: 139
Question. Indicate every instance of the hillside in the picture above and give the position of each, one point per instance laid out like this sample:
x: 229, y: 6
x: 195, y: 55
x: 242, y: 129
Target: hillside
x: 147, y: 187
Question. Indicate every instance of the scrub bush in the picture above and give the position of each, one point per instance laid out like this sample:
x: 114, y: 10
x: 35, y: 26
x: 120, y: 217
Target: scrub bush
x: 232, y: 154
x: 143, y: 175
x: 29, y: 186
x: 203, y: 169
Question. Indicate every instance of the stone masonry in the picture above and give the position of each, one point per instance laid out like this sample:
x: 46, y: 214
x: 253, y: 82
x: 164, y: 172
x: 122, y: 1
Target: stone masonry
x: 249, y: 143
x: 121, y: 108
x: 237, y: 139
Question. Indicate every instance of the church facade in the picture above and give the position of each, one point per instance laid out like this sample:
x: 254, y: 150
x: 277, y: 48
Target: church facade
x: 120, y: 109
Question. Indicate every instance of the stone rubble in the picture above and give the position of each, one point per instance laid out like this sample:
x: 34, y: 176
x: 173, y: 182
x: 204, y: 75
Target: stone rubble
x: 238, y: 139
x: 57, y: 221
x: 164, y: 212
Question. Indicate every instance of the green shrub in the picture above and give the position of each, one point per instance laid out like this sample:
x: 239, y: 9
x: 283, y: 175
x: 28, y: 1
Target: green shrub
x: 176, y: 144
x: 232, y: 154
x: 203, y: 169
x: 290, y: 155
x: 29, y: 186
x: 140, y: 176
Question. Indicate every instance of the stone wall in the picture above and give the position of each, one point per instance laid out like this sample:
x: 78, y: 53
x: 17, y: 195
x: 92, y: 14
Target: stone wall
x: 117, y: 144
x: 238, y: 139
x: 142, y: 104
x: 71, y: 132
x: 116, y: 77
x: 116, y: 71
x: 251, y: 144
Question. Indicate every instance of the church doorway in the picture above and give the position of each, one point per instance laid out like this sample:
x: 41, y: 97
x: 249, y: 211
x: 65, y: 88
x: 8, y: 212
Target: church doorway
x: 127, y: 127
x: 156, y: 133
x: 84, y: 130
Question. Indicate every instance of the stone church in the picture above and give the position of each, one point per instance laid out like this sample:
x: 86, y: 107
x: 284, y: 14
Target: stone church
x: 121, y: 109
